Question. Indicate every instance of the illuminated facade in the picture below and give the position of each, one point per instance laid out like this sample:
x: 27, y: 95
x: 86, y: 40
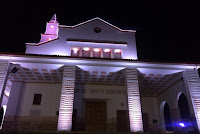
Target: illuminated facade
x: 87, y: 77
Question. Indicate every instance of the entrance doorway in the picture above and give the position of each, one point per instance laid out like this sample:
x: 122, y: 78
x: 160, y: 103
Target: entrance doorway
x: 167, y: 118
x: 122, y: 121
x: 184, y: 108
x: 2, y: 114
x: 95, y: 115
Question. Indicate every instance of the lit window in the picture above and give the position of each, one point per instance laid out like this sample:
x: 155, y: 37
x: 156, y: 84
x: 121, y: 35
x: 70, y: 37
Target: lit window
x: 74, y: 52
x: 96, y: 52
x: 52, y: 27
x: 117, y: 53
x: 86, y: 52
x: 117, y: 50
x: 107, y: 53
x: 86, y: 49
x: 37, y: 99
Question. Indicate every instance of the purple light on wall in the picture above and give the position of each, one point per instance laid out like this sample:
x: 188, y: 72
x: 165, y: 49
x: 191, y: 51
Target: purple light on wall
x: 51, y: 30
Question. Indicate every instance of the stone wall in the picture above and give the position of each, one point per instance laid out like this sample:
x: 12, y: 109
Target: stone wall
x: 30, y: 124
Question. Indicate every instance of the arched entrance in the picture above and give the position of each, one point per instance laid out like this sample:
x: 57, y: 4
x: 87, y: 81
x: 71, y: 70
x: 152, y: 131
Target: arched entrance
x: 186, y: 118
x: 2, y: 114
x: 167, y: 117
x: 184, y: 108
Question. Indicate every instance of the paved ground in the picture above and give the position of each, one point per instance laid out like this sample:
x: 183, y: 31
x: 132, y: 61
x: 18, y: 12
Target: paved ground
x: 70, y: 133
x: 73, y: 133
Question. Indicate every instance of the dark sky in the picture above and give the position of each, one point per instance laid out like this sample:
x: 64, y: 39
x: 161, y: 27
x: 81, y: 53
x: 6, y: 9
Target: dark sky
x: 166, y: 31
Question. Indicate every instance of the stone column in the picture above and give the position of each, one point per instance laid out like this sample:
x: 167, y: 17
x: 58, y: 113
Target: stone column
x: 101, y: 53
x: 112, y: 53
x: 81, y: 52
x: 134, y: 104
x: 192, y: 81
x: 66, y: 99
x: 91, y: 52
x: 4, y: 67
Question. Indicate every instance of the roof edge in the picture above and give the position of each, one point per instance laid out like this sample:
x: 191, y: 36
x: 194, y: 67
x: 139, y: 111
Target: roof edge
x: 41, y: 43
x: 74, y: 57
x: 97, y: 18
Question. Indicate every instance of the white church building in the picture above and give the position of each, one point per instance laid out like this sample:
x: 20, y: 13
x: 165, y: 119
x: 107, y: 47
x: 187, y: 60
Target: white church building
x: 87, y: 77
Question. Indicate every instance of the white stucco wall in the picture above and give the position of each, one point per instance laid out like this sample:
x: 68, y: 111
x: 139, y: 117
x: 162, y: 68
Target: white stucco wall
x: 13, y: 99
x: 112, y: 94
x: 149, y: 106
x: 49, y: 103
x: 61, y: 46
x: 4, y: 101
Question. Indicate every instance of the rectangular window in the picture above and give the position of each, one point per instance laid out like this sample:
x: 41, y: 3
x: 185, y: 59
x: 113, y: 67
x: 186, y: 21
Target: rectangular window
x: 97, y: 52
x: 75, y: 52
x: 86, y: 53
x: 106, y: 53
x: 118, y: 54
x: 37, y: 99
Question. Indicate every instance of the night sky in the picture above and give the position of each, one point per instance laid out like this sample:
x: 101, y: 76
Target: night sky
x: 166, y: 31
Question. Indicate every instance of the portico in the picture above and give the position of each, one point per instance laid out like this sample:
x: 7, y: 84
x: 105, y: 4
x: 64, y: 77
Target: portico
x: 94, y: 83
x: 87, y: 77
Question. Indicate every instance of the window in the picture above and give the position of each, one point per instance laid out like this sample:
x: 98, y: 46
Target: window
x: 74, y: 52
x: 117, y: 53
x: 37, y: 99
x: 107, y: 53
x: 96, y: 52
x: 86, y: 52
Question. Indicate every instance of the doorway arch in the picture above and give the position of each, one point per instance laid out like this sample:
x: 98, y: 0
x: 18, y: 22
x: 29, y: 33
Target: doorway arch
x: 167, y: 117
x: 2, y: 114
x: 184, y: 108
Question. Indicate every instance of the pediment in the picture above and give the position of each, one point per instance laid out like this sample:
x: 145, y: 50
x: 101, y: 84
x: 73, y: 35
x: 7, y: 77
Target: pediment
x: 97, y: 21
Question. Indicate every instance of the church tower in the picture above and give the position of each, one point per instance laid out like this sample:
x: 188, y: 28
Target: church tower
x: 51, y: 30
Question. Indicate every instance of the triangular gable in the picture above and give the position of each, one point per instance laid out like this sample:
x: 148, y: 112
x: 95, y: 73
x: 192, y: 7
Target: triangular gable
x: 97, y: 18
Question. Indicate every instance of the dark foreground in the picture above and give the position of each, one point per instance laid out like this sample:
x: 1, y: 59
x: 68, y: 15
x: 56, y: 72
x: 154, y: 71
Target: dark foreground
x: 78, y: 133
